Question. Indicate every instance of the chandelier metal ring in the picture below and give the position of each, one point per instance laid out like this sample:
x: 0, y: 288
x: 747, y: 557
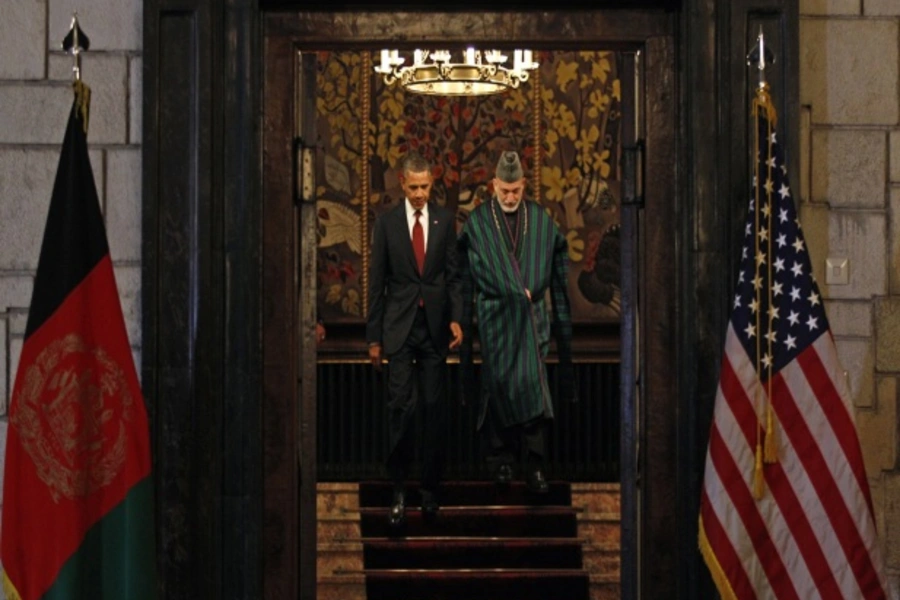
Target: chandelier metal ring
x: 435, y: 72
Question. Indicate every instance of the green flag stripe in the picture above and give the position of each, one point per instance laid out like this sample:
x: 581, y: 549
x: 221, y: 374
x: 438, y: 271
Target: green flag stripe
x: 117, y: 558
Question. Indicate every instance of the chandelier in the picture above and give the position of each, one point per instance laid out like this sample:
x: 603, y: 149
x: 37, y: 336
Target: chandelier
x: 474, y: 73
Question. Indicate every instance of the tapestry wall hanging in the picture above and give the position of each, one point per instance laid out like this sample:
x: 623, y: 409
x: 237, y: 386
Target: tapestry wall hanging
x: 565, y: 123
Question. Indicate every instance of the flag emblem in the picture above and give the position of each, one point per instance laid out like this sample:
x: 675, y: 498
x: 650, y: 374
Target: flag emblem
x: 72, y: 413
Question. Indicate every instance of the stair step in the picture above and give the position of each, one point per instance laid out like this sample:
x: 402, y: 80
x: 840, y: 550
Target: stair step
x: 521, y: 521
x: 487, y: 542
x: 473, y: 553
x: 476, y: 584
x: 469, y: 493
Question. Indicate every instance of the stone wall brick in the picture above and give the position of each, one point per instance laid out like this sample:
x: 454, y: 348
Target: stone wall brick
x: 861, y: 237
x: 15, y: 290
x: 802, y: 187
x: 830, y: 7
x: 839, y: 77
x: 876, y: 488
x: 891, y: 528
x: 105, y: 74
x: 895, y: 156
x: 5, y: 377
x: 881, y: 8
x: 878, y: 429
x: 16, y: 338
x: 26, y: 178
x: 893, y: 580
x: 123, y: 212
x: 3, y: 429
x: 110, y: 24
x: 894, y: 262
x: 850, y: 318
x: 34, y: 113
x: 849, y: 167
x: 128, y: 280
x: 22, y: 33
x: 887, y: 335
x: 135, y: 99
x: 857, y: 361
x: 814, y: 221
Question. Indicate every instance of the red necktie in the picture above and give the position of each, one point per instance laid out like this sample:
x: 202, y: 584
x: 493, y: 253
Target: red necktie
x: 418, y: 242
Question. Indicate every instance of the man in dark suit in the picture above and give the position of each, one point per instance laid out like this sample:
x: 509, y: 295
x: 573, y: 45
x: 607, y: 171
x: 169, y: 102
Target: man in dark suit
x: 414, y: 312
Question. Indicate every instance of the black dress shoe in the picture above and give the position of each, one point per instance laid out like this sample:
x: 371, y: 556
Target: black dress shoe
x: 397, y: 513
x: 504, y: 474
x: 430, y: 505
x: 536, y: 482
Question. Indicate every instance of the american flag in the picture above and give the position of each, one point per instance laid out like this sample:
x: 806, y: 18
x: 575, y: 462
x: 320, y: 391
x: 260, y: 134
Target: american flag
x: 785, y: 508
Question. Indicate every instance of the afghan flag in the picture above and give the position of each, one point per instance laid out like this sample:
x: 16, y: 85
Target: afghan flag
x: 77, y: 496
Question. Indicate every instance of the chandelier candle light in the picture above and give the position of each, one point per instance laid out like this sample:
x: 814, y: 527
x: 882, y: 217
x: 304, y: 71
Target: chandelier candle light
x: 434, y: 72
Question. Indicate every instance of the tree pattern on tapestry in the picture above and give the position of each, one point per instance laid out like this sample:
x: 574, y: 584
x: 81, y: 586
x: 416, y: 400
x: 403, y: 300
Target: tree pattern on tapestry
x: 579, y: 153
x: 581, y: 113
x: 338, y: 202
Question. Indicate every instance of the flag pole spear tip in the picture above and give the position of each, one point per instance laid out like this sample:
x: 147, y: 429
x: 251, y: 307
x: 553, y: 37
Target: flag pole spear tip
x: 75, y: 43
x: 761, y: 56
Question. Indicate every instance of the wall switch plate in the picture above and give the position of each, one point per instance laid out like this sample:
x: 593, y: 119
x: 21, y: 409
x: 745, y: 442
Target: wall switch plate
x: 837, y: 271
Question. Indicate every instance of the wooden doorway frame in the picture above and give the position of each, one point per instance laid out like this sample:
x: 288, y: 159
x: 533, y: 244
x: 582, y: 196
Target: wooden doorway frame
x: 289, y: 255
x: 206, y: 376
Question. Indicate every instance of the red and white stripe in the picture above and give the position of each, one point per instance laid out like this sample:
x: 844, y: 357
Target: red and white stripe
x: 812, y: 534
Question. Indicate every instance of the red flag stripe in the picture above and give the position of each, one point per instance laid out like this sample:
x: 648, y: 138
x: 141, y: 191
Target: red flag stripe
x: 835, y: 404
x: 728, y: 559
x: 737, y: 383
x: 839, y: 498
x: 767, y: 554
x: 828, y: 498
x: 789, y: 515
x: 805, y: 543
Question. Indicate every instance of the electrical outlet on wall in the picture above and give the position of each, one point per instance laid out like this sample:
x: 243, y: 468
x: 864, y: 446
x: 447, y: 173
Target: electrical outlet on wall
x: 837, y: 270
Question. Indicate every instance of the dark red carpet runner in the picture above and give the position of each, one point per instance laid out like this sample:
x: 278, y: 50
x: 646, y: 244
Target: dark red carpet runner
x: 487, y: 543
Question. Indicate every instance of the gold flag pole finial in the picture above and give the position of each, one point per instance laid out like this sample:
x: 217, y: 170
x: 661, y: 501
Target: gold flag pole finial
x: 761, y: 56
x: 75, y: 43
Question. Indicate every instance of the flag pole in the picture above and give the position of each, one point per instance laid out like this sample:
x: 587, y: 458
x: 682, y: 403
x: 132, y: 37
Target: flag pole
x: 766, y: 447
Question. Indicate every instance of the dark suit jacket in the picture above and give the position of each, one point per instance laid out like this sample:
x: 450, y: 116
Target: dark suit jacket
x: 395, y: 285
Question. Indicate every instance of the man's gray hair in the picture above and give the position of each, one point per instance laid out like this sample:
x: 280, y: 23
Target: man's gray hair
x: 509, y: 168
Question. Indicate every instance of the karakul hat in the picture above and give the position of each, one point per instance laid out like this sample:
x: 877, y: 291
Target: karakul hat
x: 509, y: 169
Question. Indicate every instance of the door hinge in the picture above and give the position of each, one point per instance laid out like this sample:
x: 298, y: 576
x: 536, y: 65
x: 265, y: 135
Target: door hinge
x: 304, y: 172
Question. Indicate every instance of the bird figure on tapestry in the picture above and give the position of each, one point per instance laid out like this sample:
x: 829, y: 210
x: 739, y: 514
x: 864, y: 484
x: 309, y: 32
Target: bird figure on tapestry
x: 599, y: 281
x: 338, y: 223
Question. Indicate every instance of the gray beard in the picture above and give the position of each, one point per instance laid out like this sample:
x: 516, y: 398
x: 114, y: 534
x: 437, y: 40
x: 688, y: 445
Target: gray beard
x: 507, y: 209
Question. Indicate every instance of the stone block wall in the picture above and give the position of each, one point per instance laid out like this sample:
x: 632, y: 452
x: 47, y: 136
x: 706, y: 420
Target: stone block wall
x: 850, y: 209
x: 35, y: 98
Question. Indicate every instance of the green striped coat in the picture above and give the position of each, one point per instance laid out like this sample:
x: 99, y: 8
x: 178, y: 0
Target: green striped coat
x: 499, y: 263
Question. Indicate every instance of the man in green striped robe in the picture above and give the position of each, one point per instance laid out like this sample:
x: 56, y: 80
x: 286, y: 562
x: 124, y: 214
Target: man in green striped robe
x: 512, y: 254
